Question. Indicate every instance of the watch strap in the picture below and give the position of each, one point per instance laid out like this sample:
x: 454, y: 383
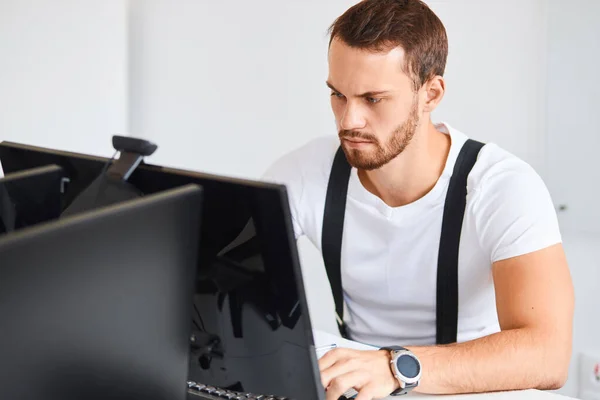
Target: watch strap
x: 393, y: 348
x: 401, y: 392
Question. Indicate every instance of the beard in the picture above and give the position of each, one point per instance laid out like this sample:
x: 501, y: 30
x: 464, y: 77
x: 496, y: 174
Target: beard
x: 376, y: 154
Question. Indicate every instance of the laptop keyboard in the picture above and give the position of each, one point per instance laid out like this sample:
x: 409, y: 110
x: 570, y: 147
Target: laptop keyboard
x: 197, y: 391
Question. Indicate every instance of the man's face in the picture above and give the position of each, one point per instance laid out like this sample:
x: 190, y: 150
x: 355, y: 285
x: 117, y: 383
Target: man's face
x: 375, y: 106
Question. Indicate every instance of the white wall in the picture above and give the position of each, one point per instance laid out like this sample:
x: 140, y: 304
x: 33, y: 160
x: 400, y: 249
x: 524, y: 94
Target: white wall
x: 227, y: 89
x: 573, y: 111
x: 573, y: 139
x: 63, y: 73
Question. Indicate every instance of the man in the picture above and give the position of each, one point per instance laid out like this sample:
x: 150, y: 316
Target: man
x: 515, y: 309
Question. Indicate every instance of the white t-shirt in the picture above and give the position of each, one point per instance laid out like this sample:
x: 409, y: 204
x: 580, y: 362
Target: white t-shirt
x: 389, y: 254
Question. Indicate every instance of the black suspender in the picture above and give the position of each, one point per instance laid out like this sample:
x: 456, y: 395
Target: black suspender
x: 447, y: 273
x: 333, y: 228
x: 447, y: 276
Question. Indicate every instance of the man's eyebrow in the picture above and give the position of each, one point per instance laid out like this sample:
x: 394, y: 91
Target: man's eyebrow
x: 331, y: 87
x: 373, y: 94
x: 366, y: 94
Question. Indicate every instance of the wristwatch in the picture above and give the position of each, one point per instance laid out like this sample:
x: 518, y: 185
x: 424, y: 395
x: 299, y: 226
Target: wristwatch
x: 406, y: 368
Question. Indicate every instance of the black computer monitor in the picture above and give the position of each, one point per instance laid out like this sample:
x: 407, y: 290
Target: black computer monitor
x: 30, y: 197
x: 97, y: 306
x: 252, y: 330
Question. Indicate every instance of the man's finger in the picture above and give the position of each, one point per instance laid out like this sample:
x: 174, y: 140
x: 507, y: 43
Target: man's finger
x: 341, y: 367
x: 340, y: 384
x: 333, y: 356
x: 367, y: 392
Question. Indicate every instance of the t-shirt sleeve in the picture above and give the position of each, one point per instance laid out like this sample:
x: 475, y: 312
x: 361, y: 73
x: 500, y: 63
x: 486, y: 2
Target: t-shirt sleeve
x: 513, y: 210
x: 287, y: 171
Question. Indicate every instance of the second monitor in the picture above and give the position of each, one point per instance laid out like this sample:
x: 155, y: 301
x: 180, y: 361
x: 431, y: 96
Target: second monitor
x: 30, y: 197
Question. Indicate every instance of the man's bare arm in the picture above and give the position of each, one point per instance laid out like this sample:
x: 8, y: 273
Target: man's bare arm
x: 535, y: 301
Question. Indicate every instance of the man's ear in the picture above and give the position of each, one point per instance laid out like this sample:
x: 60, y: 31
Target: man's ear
x: 434, y: 93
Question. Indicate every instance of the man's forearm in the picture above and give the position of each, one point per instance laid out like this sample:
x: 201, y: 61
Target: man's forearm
x: 508, y: 360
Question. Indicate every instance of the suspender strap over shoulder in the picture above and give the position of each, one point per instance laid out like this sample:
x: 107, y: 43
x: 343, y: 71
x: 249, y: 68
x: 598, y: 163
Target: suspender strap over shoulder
x: 447, y: 275
x: 333, y: 229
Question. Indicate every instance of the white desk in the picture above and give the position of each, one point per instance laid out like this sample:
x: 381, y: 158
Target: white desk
x: 323, y: 339
x: 519, y: 394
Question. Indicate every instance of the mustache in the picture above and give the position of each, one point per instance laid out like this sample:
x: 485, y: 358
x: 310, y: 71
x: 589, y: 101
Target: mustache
x: 350, y: 134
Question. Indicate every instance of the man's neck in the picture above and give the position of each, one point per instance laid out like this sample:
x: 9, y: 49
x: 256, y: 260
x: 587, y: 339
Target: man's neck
x: 414, y: 172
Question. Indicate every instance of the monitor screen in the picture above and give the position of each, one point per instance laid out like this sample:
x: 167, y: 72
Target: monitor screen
x: 96, y: 306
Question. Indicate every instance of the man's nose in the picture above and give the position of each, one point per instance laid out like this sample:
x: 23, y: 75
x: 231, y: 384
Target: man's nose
x: 352, y: 118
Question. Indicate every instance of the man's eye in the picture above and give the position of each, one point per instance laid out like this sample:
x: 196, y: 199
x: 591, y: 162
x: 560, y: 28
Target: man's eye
x: 336, y: 94
x: 373, y: 100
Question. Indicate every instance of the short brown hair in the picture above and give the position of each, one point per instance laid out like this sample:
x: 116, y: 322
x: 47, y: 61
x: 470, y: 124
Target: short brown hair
x: 381, y: 25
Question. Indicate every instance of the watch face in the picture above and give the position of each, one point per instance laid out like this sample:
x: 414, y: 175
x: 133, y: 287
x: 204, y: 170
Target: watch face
x: 408, y: 366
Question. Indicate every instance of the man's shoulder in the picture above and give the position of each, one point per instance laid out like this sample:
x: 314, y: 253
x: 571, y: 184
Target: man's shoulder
x: 312, y: 161
x: 496, y: 167
x: 499, y: 169
x: 511, y: 205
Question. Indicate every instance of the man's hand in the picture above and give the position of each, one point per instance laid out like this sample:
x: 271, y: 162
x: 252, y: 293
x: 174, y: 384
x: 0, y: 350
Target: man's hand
x: 368, y: 372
